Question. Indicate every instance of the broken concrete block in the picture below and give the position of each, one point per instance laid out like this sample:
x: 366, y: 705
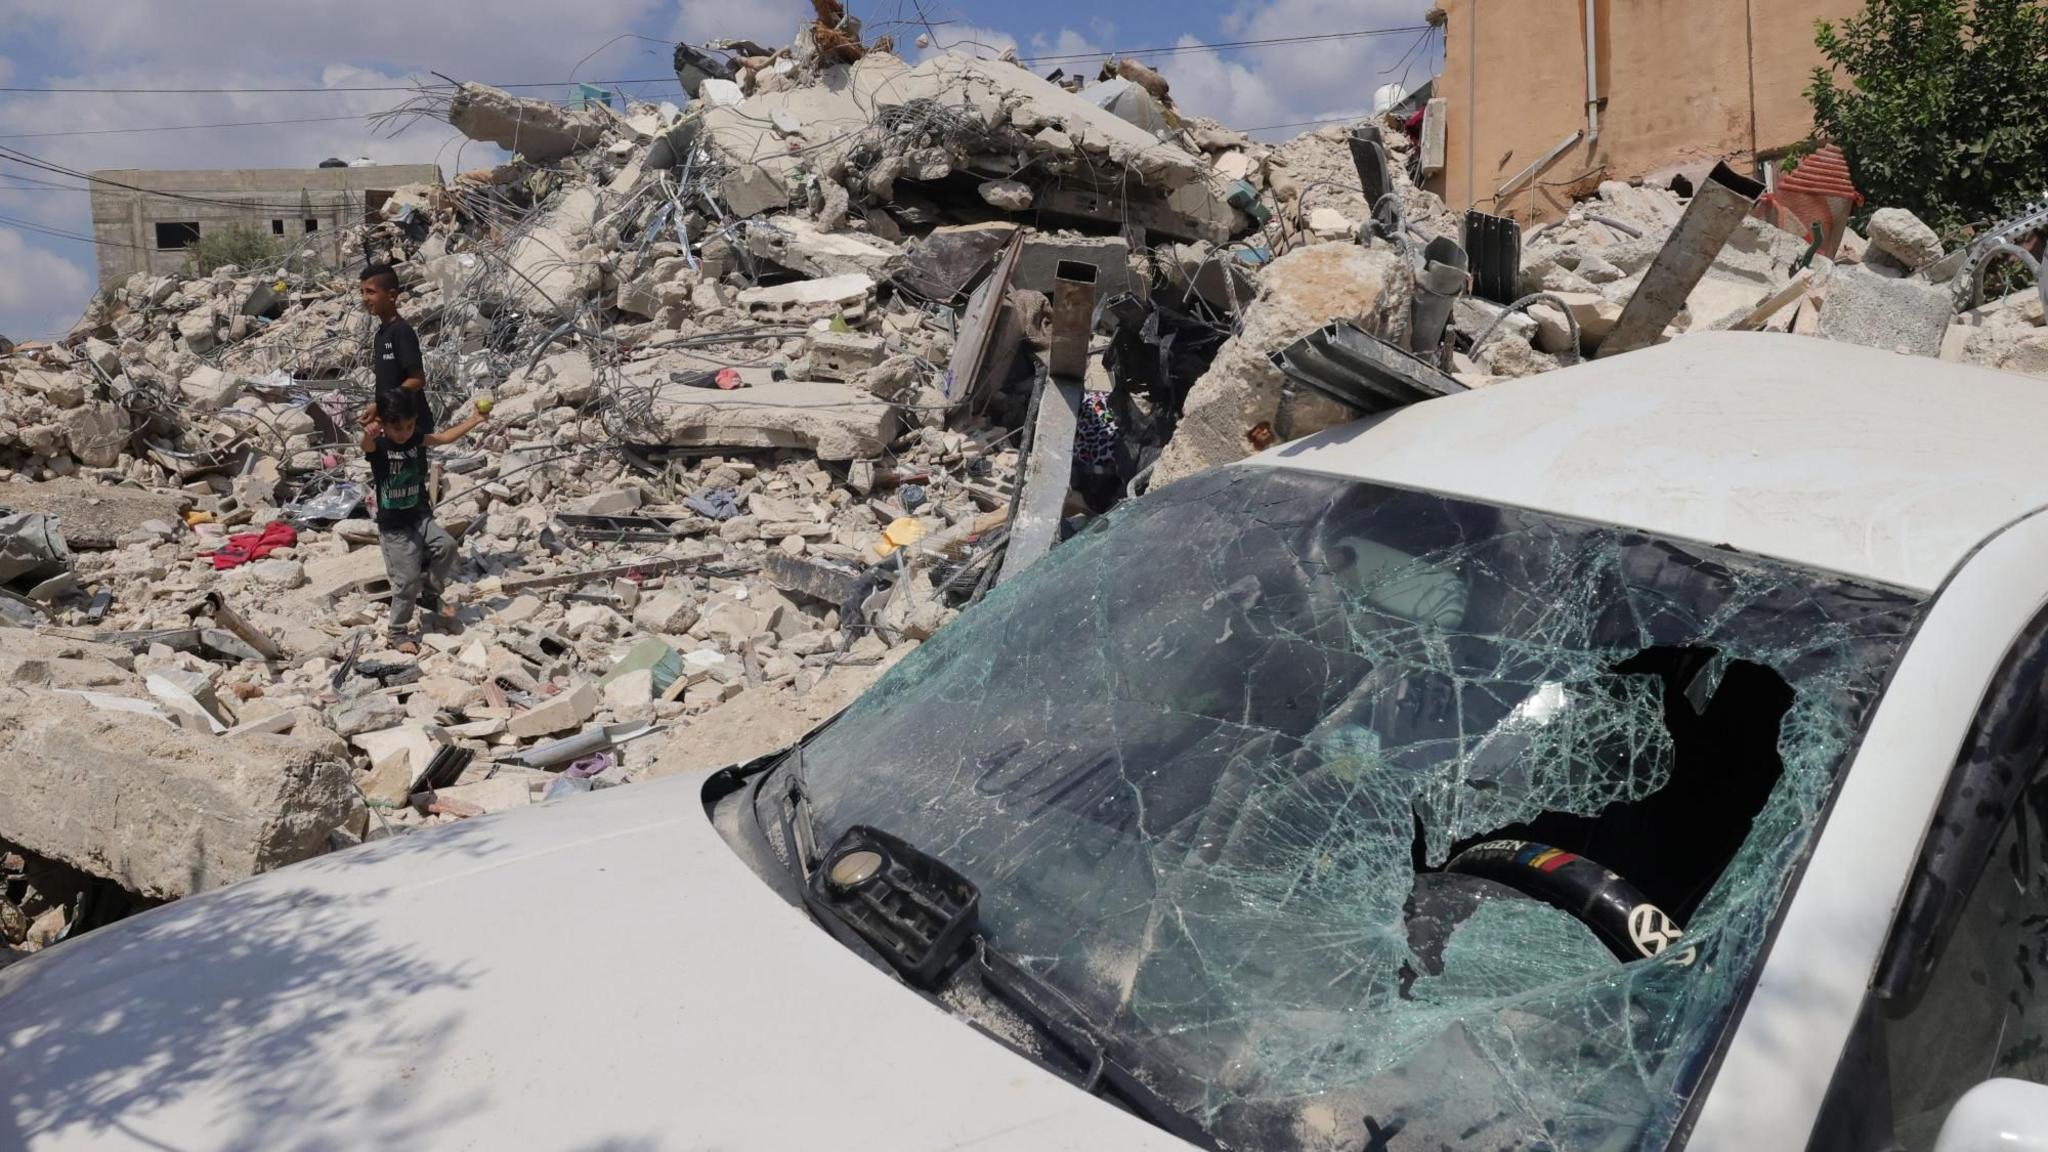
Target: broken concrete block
x: 163, y: 812
x: 1902, y: 236
x: 749, y: 190
x: 565, y: 711
x: 97, y: 432
x: 1008, y: 195
x: 836, y: 421
x: 210, y: 389
x: 1596, y: 316
x: 848, y: 296
x: 102, y: 355
x: 498, y: 794
x: 366, y: 713
x: 197, y: 331
x: 670, y: 611
x: 844, y: 355
x: 1330, y: 224
x: 535, y: 129
x: 802, y: 246
x: 1298, y: 293
x: 399, y: 758
x: 616, y: 502
x: 1901, y: 315
x: 1042, y: 253
x: 451, y: 692
x: 522, y: 608
x: 630, y: 690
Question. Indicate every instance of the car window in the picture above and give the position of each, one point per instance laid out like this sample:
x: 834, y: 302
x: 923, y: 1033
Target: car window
x: 1959, y: 995
x: 1984, y: 1012
x: 1210, y: 769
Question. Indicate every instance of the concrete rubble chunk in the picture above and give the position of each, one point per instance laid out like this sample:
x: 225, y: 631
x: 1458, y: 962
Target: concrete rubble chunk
x: 801, y: 246
x: 535, y: 129
x: 844, y: 355
x: 1899, y: 315
x: 1902, y: 236
x: 1242, y: 388
x: 670, y: 612
x: 834, y: 421
x: 209, y: 389
x: 1596, y: 316
x: 1008, y: 195
x: 161, y: 811
x: 847, y: 296
x: 567, y: 710
x: 1038, y: 263
x: 399, y: 758
x: 94, y: 516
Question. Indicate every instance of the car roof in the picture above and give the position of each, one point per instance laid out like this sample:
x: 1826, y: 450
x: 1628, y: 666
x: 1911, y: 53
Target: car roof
x: 1876, y: 465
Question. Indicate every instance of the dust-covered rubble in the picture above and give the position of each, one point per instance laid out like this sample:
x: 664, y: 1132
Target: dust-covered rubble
x: 758, y: 363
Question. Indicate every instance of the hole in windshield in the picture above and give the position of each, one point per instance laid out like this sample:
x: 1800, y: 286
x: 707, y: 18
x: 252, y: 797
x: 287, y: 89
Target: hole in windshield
x: 1208, y: 768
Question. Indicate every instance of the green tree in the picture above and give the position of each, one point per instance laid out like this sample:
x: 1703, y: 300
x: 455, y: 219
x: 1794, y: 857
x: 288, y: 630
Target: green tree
x: 1940, y: 105
x: 237, y: 244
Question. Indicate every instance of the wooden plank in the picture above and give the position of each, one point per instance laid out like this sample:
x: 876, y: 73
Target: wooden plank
x: 1773, y: 303
x: 1047, y: 476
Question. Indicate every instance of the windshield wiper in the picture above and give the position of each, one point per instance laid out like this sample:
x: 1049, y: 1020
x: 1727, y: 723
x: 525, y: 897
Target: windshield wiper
x: 1062, y: 1024
x: 799, y: 827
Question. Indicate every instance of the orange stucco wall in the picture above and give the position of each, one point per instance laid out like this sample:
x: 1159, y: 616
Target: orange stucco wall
x: 1675, y: 75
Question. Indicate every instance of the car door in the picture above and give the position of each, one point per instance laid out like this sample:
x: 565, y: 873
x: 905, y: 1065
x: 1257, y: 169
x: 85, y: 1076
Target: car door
x: 1961, y: 989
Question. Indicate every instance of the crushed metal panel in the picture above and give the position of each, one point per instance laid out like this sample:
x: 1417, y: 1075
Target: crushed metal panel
x: 978, y: 325
x: 1047, y: 476
x: 1494, y: 245
x: 1440, y: 283
x: 1724, y: 199
x: 1356, y: 368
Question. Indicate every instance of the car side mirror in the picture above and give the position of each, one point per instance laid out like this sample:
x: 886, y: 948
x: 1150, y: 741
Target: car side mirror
x: 1997, y: 1116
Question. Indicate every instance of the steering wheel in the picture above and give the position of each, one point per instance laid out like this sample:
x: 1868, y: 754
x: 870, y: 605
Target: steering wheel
x: 1616, y: 910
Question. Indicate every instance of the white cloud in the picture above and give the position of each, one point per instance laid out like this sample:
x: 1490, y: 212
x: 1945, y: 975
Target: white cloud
x: 41, y: 293
x: 1286, y: 83
x: 770, y: 22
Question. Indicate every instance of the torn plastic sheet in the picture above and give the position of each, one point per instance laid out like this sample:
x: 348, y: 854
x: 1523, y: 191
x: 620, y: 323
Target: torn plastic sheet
x: 1206, y: 760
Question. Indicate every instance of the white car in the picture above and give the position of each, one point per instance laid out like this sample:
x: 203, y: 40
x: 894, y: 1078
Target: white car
x: 1644, y: 755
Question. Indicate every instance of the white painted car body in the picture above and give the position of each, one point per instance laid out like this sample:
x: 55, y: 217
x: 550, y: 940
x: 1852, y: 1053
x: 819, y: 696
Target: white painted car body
x: 605, y: 973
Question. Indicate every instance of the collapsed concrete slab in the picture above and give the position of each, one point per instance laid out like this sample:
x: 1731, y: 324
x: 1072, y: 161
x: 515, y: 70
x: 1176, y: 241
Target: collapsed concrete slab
x: 1900, y: 315
x: 836, y: 421
x: 535, y: 129
x: 159, y: 810
x: 1299, y: 293
x: 552, y: 274
x: 801, y: 246
x: 93, y: 516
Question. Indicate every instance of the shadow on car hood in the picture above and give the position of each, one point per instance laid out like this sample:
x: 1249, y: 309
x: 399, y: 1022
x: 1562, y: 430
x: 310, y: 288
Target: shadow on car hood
x: 601, y: 973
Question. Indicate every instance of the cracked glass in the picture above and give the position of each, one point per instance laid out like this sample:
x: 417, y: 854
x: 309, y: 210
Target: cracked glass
x: 1209, y: 760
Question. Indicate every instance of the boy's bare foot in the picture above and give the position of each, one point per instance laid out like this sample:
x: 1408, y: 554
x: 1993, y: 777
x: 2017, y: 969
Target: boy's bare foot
x: 404, y: 642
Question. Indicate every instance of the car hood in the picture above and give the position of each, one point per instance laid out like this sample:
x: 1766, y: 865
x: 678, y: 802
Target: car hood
x: 597, y: 973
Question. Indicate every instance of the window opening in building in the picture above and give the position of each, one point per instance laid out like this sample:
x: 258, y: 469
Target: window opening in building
x: 277, y: 227
x: 175, y: 234
x: 312, y: 225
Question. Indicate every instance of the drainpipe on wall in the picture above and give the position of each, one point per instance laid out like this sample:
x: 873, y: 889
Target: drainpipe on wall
x: 1592, y: 79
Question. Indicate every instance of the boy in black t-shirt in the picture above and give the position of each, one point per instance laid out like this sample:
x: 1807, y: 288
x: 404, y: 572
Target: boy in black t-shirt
x: 419, y: 554
x: 395, y: 357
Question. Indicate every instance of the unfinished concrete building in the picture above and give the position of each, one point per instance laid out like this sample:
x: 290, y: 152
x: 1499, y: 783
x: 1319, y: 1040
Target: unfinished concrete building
x: 1544, y: 99
x: 143, y: 221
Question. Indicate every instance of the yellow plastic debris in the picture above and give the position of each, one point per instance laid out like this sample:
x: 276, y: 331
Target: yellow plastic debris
x: 901, y: 533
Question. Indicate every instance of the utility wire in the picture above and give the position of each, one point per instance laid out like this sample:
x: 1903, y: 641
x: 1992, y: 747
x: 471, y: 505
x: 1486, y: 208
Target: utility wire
x: 1219, y: 46
x: 180, y: 127
x: 29, y: 161
x: 1224, y: 45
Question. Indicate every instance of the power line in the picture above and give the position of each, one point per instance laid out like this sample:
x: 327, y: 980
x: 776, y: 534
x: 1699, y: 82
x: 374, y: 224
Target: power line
x: 60, y: 234
x: 180, y: 127
x: 27, y: 160
x: 670, y: 78
x: 1225, y: 45
x: 1218, y: 46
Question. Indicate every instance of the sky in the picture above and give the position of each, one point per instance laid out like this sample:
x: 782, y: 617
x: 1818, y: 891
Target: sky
x: 46, y: 279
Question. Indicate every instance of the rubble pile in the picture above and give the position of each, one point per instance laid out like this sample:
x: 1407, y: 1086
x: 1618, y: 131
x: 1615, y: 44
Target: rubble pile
x: 780, y: 376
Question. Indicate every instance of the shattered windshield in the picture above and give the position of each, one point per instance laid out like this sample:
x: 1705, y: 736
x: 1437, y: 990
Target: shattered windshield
x: 1208, y: 761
